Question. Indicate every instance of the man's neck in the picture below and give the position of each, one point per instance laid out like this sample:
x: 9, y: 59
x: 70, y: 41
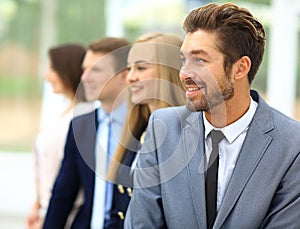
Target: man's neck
x: 228, y: 112
x: 110, y: 106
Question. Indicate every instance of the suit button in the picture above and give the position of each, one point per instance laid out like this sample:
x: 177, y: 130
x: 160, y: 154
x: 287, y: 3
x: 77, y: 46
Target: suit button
x: 129, y: 190
x: 121, y: 189
x: 121, y: 215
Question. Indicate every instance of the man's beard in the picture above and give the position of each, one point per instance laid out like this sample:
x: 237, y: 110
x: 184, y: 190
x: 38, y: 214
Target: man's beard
x: 213, y: 99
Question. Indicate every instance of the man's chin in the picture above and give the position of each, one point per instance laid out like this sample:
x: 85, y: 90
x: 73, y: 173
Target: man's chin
x: 91, y: 98
x: 195, y: 107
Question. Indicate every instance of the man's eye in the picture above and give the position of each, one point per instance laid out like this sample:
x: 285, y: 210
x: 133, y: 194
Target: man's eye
x: 199, y: 60
x: 128, y: 68
x: 183, y: 60
x: 96, y: 69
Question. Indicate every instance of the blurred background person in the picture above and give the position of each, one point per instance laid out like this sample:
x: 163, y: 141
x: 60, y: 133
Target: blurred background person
x: 63, y: 73
x: 91, y: 139
x: 153, y: 79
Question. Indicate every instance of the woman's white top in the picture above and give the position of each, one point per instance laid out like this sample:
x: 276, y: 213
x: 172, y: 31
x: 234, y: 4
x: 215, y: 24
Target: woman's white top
x: 49, y: 152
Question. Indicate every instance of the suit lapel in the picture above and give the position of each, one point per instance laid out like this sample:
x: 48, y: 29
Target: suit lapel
x: 255, y: 144
x: 85, y: 134
x: 193, y: 139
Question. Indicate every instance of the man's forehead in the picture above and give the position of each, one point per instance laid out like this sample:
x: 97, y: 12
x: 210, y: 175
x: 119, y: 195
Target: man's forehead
x: 91, y: 58
x: 98, y: 58
x: 199, y: 43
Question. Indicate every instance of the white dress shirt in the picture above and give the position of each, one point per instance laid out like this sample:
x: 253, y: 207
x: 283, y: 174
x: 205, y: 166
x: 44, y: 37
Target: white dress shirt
x: 229, y: 147
x: 103, y: 191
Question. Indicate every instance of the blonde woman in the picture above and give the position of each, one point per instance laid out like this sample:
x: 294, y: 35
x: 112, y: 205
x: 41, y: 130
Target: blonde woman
x: 153, y: 79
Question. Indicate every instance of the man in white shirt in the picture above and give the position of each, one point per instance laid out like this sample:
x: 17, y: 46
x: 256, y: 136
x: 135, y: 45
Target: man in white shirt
x: 91, y: 142
x: 227, y: 159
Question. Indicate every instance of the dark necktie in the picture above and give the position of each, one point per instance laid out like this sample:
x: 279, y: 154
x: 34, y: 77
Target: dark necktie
x: 211, y: 181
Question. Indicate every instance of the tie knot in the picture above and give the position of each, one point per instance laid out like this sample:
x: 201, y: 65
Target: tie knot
x: 104, y: 117
x: 107, y: 119
x: 216, y: 136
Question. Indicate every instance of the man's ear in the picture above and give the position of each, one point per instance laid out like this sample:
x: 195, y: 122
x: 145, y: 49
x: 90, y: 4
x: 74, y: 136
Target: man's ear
x: 241, y: 68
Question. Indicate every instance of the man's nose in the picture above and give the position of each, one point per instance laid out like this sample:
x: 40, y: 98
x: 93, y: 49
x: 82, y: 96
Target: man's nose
x: 186, y: 71
x: 84, y: 75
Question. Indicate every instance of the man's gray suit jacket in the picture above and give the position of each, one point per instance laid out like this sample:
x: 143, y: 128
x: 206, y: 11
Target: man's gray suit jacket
x: 263, y: 192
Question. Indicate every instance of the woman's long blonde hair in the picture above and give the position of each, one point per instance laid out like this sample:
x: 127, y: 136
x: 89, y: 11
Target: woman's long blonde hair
x: 171, y: 94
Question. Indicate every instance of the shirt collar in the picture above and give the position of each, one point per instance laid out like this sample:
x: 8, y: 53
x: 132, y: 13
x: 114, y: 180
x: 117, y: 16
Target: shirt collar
x: 233, y: 130
x: 117, y: 115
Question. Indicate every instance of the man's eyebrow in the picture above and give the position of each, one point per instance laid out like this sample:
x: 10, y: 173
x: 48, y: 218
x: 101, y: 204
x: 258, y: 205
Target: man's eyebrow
x: 199, y: 51
x: 195, y: 52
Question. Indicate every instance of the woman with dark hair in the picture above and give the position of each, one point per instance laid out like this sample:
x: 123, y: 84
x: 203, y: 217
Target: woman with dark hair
x: 64, y: 71
x: 64, y: 74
